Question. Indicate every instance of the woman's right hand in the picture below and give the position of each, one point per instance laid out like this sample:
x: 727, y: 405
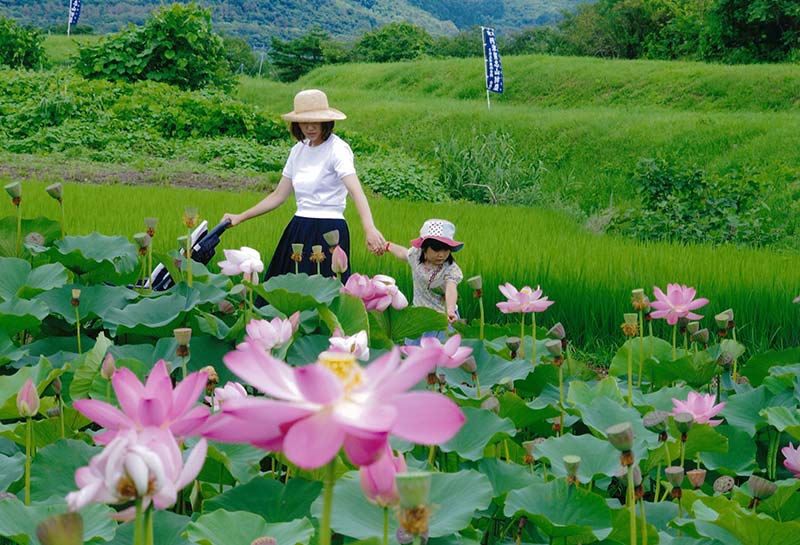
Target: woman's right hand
x: 235, y: 219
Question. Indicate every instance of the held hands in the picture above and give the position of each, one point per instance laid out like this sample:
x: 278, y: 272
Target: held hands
x: 451, y: 316
x: 375, y: 241
x: 235, y: 219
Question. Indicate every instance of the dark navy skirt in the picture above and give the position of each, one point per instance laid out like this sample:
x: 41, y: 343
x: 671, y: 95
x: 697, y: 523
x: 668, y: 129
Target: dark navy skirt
x: 308, y: 232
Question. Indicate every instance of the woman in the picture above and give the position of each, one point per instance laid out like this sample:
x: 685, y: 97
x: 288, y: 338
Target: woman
x: 321, y: 173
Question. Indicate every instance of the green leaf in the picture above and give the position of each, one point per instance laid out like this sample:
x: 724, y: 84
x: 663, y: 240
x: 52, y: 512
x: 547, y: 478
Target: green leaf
x: 18, y: 280
x: 21, y: 314
x: 738, y: 459
x: 505, y: 476
x: 654, y: 351
x: 481, y: 428
x: 11, y: 469
x: 783, y: 419
x: 731, y: 523
x: 53, y: 468
x: 268, y: 498
x: 291, y: 292
x: 168, y: 529
x: 241, y: 528
x: 19, y: 522
x: 306, y: 349
x: 598, y: 457
x: 153, y: 316
x: 350, y: 313
x: 42, y: 374
x: 49, y: 229
x: 492, y: 369
x: 97, y: 257
x: 527, y: 415
x: 241, y: 460
x: 581, y: 393
x: 457, y: 495
x: 88, y: 367
x: 95, y: 301
x: 9, y: 351
x: 757, y: 368
x: 561, y: 511
x: 743, y: 410
x: 412, y: 322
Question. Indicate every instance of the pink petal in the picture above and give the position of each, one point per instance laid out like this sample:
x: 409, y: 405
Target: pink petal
x: 186, y: 393
x: 159, y: 385
x: 409, y: 373
x: 426, y: 417
x: 128, y: 389
x: 193, y: 464
x: 102, y: 413
x: 189, y: 423
x: 254, y: 365
x: 314, y: 441
x: 318, y: 384
x: 365, y: 449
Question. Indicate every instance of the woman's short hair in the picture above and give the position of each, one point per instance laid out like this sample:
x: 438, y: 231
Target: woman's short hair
x: 327, y: 130
x: 436, y: 246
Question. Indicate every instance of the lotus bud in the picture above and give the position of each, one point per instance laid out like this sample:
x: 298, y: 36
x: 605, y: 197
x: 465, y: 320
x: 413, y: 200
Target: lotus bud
x: 338, y: 260
x: 266, y: 540
x: 621, y: 436
x: 554, y: 347
x: 470, y: 365
x: 700, y: 336
x: 226, y: 307
x: 656, y: 421
x: 53, y: 412
x: 331, y: 237
x: 191, y: 216
x: 674, y: 475
x: 109, y: 366
x: 475, y: 282
x: 63, y: 529
x: 76, y: 297
x: 760, y: 487
x: 57, y: 386
x: 639, y: 300
x: 14, y: 190
x: 697, y: 477
x: 724, y: 319
x: 492, y: 404
x: 684, y: 422
x: 55, y: 190
x: 571, y: 463
x: 414, y: 488
x: 151, y: 224
x: 294, y: 319
x: 557, y: 331
x: 723, y: 484
x: 28, y: 400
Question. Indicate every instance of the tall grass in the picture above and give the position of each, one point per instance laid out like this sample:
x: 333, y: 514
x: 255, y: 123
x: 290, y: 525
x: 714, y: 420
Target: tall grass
x: 60, y: 48
x: 590, y: 277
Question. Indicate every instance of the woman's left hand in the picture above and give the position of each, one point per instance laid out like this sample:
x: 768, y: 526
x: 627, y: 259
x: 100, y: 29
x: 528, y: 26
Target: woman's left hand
x: 375, y: 241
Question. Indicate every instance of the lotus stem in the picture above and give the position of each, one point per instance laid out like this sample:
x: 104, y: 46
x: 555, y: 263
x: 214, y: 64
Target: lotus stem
x: 385, y: 526
x: 561, y: 399
x: 674, y: 341
x: 150, y: 267
x: 19, y: 229
x: 632, y: 503
x: 505, y: 447
x: 183, y: 367
x: 138, y: 525
x: 650, y: 333
x: 735, y: 360
x: 28, y: 456
x: 431, y: 455
x: 148, y: 523
x: 480, y: 307
x: 61, y: 414
x: 772, y: 458
x: 641, y: 350
x: 658, y: 482
x: 521, y: 352
x: 63, y: 229
x: 78, y: 328
x: 189, y: 258
x: 683, y: 449
x: 327, y: 504
x: 630, y: 375
x: 533, y: 338
x: 644, y: 523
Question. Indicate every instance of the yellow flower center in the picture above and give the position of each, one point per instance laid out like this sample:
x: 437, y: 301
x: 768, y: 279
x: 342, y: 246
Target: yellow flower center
x: 345, y: 367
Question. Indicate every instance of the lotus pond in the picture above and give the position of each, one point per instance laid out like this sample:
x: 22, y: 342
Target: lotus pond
x: 228, y: 411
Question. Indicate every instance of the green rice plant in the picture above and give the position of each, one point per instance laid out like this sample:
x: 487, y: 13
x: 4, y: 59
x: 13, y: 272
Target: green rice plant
x: 589, y: 276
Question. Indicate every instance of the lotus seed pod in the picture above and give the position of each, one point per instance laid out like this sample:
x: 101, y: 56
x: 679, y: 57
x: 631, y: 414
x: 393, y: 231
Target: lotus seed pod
x: 700, y: 336
x: 697, y: 477
x: 14, y: 190
x: 529, y: 447
x: 297, y: 248
x: 571, y: 464
x: 183, y: 335
x: 724, y: 318
x: 639, y: 300
x: 674, y: 475
x: 557, y: 331
x: 621, y: 436
x: 331, y: 237
x: 513, y: 343
x: 316, y: 249
x: 414, y: 488
x: 475, y: 282
x: 692, y: 327
x: 631, y: 318
x: 34, y: 239
x: 723, y: 484
x: 53, y: 412
x: 656, y: 421
x: 191, y: 216
x: 684, y: 422
x: 142, y: 240
x: 553, y: 347
x: 226, y: 307
x: 470, y: 365
x: 76, y: 293
x: 492, y: 404
x: 622, y: 473
x: 151, y: 223
x: 760, y: 487
x: 55, y: 190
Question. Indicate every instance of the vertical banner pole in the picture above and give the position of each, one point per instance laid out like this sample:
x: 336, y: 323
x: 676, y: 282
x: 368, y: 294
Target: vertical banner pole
x: 485, y: 69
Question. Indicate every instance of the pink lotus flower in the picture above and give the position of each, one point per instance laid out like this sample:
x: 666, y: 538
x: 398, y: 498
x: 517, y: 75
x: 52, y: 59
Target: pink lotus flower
x: 132, y: 466
x: 231, y: 390
x: 701, y: 407
x: 319, y: 408
x: 28, y: 400
x: 244, y: 261
x: 792, y: 459
x: 679, y: 302
x: 151, y: 405
x: 525, y: 300
x: 450, y: 354
x: 378, y: 292
x: 270, y: 334
x: 338, y: 260
x: 357, y: 344
x: 377, y: 480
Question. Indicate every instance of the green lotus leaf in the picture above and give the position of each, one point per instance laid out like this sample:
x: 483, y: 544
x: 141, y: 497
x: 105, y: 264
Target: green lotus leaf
x: 18, y: 522
x: 9, y: 351
x: 349, y: 314
x: 654, y: 351
x: 20, y: 315
x: 153, y: 316
x: 47, y: 431
x: 481, y: 429
x: 561, y: 511
x: 492, y: 369
x: 758, y: 367
x: 743, y: 410
x: 738, y: 459
x: 18, y: 280
x: 408, y: 323
x: 661, y: 399
x: 728, y: 522
x: 696, y: 370
x: 87, y: 368
x: 95, y: 301
x: 455, y: 498
x: 53, y: 468
x: 241, y: 528
x: 504, y: 476
x: 306, y: 349
x: 528, y: 415
x: 621, y: 522
x: 784, y: 504
x: 604, y: 412
x: 203, y: 351
x: 783, y: 419
x: 209, y: 324
x: 240, y: 461
x: 291, y: 292
x: 98, y: 258
x: 268, y: 498
x: 598, y: 457
x: 42, y: 374
x: 11, y: 469
x: 49, y: 229
x: 168, y: 529
x: 581, y: 393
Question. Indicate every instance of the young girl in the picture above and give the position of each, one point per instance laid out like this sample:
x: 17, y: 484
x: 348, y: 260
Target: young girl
x: 436, y: 275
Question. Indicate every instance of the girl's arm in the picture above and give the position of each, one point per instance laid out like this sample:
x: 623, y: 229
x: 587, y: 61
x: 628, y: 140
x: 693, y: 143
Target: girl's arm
x: 400, y: 252
x: 270, y: 202
x: 375, y: 241
x: 450, y: 299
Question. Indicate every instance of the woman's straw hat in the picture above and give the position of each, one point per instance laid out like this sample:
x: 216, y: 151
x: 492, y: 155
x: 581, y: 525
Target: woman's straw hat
x: 441, y: 230
x: 311, y: 106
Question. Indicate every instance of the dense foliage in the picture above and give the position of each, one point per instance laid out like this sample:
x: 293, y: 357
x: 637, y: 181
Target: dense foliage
x: 20, y: 47
x: 177, y: 45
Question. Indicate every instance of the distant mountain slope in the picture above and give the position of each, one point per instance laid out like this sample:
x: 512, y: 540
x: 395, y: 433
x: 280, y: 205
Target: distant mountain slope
x: 258, y: 20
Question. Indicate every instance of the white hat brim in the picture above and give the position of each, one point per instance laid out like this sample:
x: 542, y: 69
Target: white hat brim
x: 315, y: 116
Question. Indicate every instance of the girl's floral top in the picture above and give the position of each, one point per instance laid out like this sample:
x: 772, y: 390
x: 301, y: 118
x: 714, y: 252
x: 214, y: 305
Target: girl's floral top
x: 430, y: 280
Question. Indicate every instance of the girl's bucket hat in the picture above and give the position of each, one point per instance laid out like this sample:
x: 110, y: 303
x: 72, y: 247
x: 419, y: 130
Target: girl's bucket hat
x: 441, y: 230
x: 311, y: 106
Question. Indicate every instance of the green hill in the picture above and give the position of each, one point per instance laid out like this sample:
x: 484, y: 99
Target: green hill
x: 257, y: 21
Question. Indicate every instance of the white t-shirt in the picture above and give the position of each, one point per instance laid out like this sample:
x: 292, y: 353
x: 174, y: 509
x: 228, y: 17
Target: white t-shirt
x: 316, y: 173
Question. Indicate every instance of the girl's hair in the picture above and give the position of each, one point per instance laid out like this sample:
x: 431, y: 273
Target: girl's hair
x: 327, y: 129
x: 436, y: 246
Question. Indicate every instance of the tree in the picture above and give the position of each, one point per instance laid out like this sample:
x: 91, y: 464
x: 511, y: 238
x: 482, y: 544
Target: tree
x: 293, y: 58
x: 20, y: 47
x: 239, y: 54
x: 176, y: 45
x: 393, y: 42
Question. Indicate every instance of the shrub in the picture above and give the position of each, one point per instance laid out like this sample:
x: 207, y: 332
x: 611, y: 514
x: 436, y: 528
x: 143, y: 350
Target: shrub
x: 397, y: 176
x: 20, y: 47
